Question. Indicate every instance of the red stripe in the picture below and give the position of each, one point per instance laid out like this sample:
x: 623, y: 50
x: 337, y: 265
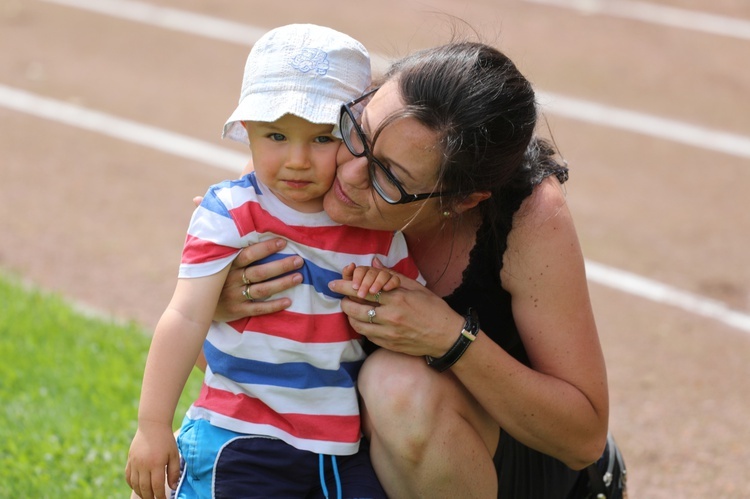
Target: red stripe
x: 305, y: 328
x: 407, y: 267
x: 198, y: 250
x: 252, y: 410
x: 251, y: 217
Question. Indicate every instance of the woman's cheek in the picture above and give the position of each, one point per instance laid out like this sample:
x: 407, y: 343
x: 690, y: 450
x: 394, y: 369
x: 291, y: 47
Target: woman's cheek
x: 343, y: 155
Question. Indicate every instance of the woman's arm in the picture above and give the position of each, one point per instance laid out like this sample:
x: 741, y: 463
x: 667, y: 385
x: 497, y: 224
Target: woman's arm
x: 178, y: 338
x: 561, y: 406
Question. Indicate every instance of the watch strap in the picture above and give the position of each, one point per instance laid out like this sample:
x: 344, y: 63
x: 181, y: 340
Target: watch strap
x: 465, y: 338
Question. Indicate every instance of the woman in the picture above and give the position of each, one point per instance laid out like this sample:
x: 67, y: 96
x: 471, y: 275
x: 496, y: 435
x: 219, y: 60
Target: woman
x: 512, y: 401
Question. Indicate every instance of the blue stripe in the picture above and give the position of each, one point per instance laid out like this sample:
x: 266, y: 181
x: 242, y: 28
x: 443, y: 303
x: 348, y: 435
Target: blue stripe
x: 312, y: 274
x: 212, y: 202
x: 248, y: 180
x: 299, y: 375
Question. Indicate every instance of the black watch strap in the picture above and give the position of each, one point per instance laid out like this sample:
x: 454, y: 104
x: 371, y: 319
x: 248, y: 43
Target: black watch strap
x: 466, y: 338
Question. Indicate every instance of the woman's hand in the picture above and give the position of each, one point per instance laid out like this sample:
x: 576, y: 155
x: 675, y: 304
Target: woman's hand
x: 411, y: 319
x: 247, y: 289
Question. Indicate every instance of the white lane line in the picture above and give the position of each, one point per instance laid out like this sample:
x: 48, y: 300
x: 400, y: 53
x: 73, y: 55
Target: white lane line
x: 129, y: 131
x: 645, y: 124
x: 668, y: 295
x: 658, y: 14
x: 576, y: 109
x: 184, y: 21
x: 167, y: 18
x: 187, y: 147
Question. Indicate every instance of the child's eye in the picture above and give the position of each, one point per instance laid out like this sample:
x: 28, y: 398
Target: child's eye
x: 323, y: 139
x: 277, y: 137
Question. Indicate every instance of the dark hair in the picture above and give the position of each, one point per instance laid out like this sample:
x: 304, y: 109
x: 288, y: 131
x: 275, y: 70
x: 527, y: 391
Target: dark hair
x: 484, y: 112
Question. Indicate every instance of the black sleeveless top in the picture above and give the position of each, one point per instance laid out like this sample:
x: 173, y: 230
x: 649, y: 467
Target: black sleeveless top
x: 481, y: 289
x: 522, y: 472
x: 480, y: 286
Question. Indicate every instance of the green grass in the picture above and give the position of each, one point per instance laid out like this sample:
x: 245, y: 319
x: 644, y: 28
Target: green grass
x: 69, y: 387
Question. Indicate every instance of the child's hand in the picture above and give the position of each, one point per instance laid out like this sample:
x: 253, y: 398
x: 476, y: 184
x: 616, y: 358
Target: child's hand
x: 370, y: 280
x: 153, y: 450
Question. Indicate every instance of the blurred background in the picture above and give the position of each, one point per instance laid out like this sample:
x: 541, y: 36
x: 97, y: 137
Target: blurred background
x: 110, y: 120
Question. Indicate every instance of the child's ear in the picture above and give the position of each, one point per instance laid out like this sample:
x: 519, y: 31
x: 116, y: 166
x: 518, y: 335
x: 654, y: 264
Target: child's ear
x: 470, y: 201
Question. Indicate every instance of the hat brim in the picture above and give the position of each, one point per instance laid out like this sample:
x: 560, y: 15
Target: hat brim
x: 270, y: 106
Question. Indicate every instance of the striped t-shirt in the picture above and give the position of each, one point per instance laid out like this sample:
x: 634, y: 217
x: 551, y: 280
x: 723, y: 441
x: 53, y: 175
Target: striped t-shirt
x: 291, y: 374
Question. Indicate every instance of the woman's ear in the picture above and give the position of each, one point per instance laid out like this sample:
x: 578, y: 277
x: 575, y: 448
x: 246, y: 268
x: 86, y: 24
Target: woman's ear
x: 470, y: 201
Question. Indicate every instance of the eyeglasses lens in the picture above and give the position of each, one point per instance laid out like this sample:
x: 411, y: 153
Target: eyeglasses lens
x: 351, y: 135
x: 353, y: 139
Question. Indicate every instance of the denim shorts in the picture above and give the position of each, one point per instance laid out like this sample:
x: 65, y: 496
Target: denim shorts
x: 219, y: 463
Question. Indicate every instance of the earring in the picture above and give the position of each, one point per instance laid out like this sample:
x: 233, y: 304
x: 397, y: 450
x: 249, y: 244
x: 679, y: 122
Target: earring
x: 447, y: 213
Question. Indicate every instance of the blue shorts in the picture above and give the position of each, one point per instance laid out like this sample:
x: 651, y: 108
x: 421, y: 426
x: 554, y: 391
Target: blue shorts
x: 220, y: 463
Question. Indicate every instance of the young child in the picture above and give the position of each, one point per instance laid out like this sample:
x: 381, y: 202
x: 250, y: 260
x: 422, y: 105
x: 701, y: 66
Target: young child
x: 279, y: 402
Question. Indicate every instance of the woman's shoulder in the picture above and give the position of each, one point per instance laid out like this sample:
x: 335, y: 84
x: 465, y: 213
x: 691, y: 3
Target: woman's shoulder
x: 546, y: 203
x: 542, y: 230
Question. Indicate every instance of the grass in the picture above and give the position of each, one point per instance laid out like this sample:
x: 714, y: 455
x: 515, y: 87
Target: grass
x: 69, y: 387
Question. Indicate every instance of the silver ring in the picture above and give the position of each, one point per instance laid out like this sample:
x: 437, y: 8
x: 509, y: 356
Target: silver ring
x: 371, y: 314
x: 377, y: 296
x: 246, y: 293
x: 245, y: 280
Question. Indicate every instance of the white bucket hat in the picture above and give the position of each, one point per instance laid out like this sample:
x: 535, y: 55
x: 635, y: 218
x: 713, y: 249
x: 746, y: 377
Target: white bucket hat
x: 300, y: 69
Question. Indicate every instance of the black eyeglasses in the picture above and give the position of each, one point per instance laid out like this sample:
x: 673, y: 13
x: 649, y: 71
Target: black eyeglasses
x: 386, y: 185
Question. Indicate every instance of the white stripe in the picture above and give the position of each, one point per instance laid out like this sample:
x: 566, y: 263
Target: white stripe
x: 275, y: 350
x: 265, y: 431
x: 184, y: 21
x: 662, y: 293
x: 324, y: 400
x: 658, y: 14
x: 654, y: 126
x: 129, y: 131
x: 174, y: 19
x: 577, y: 109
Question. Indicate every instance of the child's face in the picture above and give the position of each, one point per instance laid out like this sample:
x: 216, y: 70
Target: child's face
x: 296, y: 159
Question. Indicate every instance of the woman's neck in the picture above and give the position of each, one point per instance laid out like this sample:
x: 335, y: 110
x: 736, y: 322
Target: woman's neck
x: 442, y: 252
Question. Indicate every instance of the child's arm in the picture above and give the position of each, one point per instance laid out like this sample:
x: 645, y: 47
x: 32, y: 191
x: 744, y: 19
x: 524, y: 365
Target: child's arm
x: 177, y: 340
x: 370, y: 280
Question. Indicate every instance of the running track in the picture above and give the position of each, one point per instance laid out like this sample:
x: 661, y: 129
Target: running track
x: 645, y: 100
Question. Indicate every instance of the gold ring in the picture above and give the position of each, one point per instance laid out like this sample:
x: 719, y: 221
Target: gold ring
x: 246, y: 293
x: 245, y: 280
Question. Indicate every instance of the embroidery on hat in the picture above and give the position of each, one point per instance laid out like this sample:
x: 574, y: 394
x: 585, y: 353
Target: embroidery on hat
x: 311, y: 59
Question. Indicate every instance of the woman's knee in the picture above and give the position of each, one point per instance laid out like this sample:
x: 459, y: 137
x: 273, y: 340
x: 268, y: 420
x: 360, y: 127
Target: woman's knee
x: 396, y: 384
x: 404, y: 402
